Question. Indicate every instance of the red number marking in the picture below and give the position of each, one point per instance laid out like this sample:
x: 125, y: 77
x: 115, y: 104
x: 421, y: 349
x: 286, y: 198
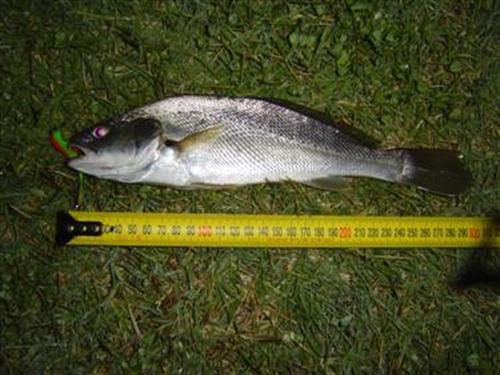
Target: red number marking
x: 474, y: 232
x: 205, y: 230
x: 345, y: 232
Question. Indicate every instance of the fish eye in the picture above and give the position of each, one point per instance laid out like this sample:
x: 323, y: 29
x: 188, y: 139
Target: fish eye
x: 99, y: 132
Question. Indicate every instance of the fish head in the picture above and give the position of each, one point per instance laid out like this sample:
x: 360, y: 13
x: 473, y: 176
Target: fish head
x: 122, y: 151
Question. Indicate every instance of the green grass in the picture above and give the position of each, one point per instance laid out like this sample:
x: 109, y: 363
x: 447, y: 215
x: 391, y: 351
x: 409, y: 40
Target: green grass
x: 407, y: 73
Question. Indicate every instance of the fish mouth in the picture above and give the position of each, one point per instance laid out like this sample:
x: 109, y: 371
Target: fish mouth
x: 83, y: 157
x: 80, y: 150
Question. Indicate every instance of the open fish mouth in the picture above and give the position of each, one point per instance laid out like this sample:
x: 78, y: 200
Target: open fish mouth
x: 81, y: 151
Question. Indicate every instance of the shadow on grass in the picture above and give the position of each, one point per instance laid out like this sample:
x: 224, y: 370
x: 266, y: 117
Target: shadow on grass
x: 481, y: 268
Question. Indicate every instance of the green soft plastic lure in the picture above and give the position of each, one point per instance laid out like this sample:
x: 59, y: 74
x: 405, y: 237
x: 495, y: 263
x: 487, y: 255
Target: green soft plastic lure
x: 61, y: 145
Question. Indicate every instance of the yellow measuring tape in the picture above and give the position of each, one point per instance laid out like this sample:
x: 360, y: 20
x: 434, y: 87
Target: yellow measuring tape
x: 310, y: 231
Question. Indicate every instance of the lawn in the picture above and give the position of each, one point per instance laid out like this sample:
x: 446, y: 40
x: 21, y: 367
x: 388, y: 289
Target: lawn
x: 406, y: 73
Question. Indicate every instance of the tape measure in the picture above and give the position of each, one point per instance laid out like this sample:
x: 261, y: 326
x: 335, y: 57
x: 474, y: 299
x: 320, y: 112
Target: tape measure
x: 311, y: 231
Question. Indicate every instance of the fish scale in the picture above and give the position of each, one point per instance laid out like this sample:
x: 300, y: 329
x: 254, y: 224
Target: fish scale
x: 258, y: 134
x: 252, y: 155
x: 272, y: 119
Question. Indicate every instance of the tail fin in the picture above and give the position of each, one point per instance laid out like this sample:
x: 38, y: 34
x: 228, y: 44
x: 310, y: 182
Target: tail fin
x: 439, y: 171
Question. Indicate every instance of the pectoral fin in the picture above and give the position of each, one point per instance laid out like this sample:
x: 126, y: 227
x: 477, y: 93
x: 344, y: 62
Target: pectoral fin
x: 199, y: 139
x: 329, y: 183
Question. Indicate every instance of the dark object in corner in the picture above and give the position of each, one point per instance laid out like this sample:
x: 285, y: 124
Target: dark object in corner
x: 481, y: 269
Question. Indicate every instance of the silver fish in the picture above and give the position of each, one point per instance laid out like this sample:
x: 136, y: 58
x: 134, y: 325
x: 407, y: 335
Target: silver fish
x: 214, y: 142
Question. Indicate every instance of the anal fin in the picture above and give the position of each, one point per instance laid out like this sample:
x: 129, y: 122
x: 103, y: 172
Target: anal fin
x: 207, y: 186
x: 329, y: 183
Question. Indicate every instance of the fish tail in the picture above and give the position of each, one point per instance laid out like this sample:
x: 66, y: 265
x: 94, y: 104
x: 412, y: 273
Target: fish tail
x: 439, y: 171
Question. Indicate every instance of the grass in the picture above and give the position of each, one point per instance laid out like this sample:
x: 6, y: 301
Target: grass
x: 421, y: 73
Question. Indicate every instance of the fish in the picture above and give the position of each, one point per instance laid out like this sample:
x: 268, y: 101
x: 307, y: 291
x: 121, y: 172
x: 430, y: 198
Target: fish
x: 213, y: 142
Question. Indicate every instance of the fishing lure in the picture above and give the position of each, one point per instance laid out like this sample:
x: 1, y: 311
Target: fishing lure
x: 62, y: 146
